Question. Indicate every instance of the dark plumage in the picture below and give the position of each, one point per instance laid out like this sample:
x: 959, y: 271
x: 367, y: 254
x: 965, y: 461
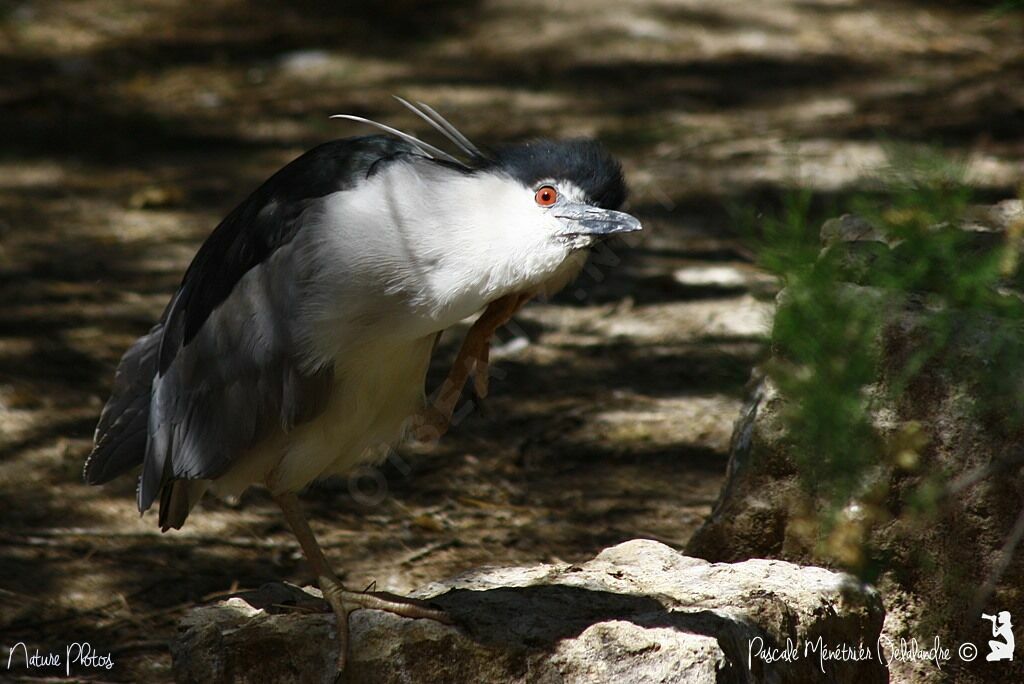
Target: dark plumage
x: 584, y: 162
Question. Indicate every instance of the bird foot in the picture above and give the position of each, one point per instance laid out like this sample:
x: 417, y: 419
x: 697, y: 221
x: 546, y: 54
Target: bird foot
x: 343, y: 601
x: 333, y: 594
x: 472, y: 361
x: 430, y: 424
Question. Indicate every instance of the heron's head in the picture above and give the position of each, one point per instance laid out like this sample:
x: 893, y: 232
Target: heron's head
x: 567, y: 191
x: 512, y: 218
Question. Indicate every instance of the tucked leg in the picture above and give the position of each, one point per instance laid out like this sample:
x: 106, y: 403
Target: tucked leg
x: 341, y: 600
x: 472, y: 360
x: 497, y: 314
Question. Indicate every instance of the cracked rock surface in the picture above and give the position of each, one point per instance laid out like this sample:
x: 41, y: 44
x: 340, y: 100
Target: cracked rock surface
x: 638, y: 612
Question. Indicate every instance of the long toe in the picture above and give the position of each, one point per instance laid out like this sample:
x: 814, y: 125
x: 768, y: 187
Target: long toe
x: 334, y: 594
x: 399, y: 605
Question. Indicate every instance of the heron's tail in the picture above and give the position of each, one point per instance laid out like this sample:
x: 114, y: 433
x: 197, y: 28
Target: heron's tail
x: 176, y: 500
x: 120, y: 441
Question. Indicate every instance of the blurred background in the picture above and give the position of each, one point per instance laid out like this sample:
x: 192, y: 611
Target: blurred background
x: 128, y: 129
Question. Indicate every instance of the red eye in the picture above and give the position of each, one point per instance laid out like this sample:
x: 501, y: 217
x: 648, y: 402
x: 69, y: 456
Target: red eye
x: 546, y: 196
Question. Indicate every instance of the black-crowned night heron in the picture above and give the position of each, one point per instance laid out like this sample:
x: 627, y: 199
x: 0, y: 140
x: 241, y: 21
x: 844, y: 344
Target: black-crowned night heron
x: 298, y: 342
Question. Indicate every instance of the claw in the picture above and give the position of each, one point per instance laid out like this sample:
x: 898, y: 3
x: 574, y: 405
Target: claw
x: 472, y: 361
x: 342, y: 601
x: 333, y: 593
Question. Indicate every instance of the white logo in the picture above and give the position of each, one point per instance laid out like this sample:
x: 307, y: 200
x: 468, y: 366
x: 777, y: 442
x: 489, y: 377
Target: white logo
x: 1001, y: 628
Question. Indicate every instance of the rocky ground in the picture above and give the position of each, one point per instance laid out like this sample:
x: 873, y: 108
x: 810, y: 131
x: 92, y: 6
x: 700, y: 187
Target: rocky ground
x: 638, y: 613
x: 131, y: 128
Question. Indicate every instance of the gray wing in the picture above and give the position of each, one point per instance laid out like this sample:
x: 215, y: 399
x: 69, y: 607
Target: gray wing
x: 236, y: 381
x: 239, y: 379
x: 221, y: 369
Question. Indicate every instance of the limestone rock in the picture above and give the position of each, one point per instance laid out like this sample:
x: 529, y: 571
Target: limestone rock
x: 638, y: 612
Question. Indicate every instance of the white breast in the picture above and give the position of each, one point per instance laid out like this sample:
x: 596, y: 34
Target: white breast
x: 418, y: 247
x: 381, y: 273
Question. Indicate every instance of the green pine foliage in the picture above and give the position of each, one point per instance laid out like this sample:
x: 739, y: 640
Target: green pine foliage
x: 829, y: 325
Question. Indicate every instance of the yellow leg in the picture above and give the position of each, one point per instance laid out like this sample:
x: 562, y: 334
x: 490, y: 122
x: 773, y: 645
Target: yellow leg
x: 472, y: 360
x: 341, y: 600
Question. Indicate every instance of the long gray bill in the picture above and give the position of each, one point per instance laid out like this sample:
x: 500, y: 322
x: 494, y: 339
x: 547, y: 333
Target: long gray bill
x: 583, y: 219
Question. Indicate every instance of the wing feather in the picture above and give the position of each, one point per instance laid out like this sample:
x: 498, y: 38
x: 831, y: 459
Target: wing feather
x: 242, y: 377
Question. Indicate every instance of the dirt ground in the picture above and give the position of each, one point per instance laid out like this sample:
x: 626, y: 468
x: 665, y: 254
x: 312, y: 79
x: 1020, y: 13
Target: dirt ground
x: 130, y: 128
